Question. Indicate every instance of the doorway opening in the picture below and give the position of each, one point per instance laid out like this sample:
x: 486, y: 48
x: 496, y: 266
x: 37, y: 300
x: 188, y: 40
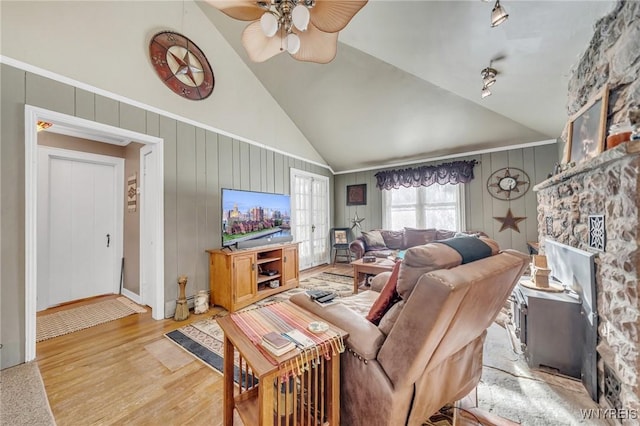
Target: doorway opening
x: 151, y: 237
x: 310, y: 217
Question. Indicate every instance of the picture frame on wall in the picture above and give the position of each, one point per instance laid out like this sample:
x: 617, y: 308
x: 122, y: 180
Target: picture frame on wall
x: 357, y: 195
x: 587, y: 129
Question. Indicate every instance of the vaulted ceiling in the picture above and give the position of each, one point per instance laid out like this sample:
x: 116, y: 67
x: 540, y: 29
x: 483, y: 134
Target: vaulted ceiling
x: 405, y: 84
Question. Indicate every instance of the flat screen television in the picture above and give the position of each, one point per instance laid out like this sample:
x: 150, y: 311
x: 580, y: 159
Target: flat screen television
x: 251, y: 218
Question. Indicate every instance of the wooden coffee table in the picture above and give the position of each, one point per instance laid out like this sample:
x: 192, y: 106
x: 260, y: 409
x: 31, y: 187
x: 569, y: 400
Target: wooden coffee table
x: 255, y: 403
x: 373, y: 268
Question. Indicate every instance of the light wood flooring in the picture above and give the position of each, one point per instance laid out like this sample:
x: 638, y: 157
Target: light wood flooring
x: 104, y: 375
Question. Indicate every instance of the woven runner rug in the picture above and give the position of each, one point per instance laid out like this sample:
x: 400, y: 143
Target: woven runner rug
x: 75, y: 319
x: 204, y: 339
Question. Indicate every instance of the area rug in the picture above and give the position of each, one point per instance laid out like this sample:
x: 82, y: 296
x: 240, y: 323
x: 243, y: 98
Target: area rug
x: 24, y: 400
x: 204, y: 339
x: 548, y: 399
x: 75, y: 319
x: 341, y: 284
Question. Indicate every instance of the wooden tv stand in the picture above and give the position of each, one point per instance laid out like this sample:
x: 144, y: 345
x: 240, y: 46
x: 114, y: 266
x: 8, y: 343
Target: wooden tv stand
x: 235, y: 278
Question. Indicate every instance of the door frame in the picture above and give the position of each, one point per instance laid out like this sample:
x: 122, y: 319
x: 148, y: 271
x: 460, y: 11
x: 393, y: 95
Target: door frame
x: 118, y: 164
x: 145, y: 210
x: 293, y: 172
x: 91, y: 130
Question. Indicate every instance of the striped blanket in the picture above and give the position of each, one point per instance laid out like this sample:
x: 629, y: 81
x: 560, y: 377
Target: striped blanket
x: 283, y: 317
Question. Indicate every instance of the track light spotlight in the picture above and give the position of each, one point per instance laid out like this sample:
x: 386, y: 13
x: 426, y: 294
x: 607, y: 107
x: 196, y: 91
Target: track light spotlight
x: 488, y: 76
x: 498, y: 14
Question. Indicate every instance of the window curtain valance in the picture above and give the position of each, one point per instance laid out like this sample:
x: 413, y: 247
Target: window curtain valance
x: 454, y: 173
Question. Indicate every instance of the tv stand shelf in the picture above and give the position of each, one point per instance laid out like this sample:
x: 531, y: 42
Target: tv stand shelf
x: 260, y: 261
x: 267, y: 278
x: 234, y: 276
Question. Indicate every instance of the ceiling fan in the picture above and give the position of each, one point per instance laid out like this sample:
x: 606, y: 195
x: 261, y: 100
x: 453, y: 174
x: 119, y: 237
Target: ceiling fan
x: 307, y: 29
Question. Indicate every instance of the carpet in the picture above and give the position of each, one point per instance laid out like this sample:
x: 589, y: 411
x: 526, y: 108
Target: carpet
x: 341, y: 284
x: 204, y: 339
x: 24, y: 400
x: 75, y: 319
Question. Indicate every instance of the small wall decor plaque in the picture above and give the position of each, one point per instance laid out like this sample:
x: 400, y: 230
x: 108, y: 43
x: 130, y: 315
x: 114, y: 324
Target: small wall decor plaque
x: 132, y: 196
x: 597, y: 234
x: 548, y: 221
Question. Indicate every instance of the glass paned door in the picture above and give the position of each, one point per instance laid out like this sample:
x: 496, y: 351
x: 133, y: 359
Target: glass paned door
x: 310, y: 217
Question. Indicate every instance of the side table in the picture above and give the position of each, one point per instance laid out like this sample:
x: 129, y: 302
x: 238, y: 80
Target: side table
x: 361, y: 268
x: 313, y: 397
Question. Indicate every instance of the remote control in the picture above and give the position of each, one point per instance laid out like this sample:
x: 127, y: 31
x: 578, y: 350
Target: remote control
x: 316, y: 294
x: 326, y: 298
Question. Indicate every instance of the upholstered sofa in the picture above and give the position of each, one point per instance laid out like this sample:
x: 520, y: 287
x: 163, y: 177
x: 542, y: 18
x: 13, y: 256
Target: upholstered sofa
x: 383, y: 242
x: 426, y: 350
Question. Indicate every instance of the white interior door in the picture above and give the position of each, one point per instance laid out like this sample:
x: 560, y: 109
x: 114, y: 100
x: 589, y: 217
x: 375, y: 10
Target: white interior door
x: 148, y: 224
x: 310, y: 214
x: 80, y: 216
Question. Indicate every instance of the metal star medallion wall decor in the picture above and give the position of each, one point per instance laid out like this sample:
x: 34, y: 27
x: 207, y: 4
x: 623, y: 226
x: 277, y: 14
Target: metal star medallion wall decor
x: 509, y: 221
x: 508, y: 183
x: 181, y: 65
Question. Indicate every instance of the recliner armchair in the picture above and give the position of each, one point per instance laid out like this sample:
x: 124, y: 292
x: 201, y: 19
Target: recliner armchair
x: 427, y: 349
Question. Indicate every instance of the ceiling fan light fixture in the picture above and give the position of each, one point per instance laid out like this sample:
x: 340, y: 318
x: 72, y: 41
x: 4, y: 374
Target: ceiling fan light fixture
x: 293, y: 43
x: 498, y: 14
x: 307, y: 29
x: 269, y: 24
x: 300, y: 16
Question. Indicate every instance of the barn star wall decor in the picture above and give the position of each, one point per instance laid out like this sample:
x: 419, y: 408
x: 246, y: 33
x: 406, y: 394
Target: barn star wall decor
x: 356, y: 221
x: 510, y: 221
x: 181, y: 65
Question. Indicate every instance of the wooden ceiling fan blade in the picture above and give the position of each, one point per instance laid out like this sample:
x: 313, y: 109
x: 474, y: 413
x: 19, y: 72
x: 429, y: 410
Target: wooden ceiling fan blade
x: 332, y: 16
x: 317, y: 46
x: 244, y: 10
x: 259, y: 47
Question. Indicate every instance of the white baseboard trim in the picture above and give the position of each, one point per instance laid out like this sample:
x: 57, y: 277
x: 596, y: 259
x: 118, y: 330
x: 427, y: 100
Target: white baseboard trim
x: 131, y: 295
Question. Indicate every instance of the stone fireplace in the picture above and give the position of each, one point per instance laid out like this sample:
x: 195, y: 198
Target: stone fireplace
x: 606, y: 186
x: 595, y: 206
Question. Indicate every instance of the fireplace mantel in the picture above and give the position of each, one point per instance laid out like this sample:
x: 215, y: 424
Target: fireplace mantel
x: 601, y: 160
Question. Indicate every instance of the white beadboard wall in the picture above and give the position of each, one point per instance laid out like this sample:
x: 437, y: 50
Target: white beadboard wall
x: 197, y: 164
x: 480, y: 206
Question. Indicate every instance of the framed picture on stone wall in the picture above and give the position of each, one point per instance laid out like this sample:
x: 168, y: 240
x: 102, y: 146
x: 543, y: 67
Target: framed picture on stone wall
x: 587, y: 129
